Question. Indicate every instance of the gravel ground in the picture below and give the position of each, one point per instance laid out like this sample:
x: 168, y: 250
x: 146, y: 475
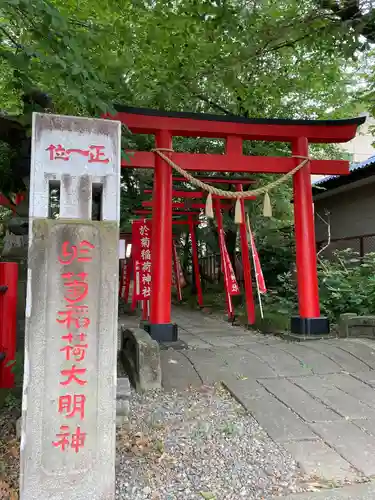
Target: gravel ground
x: 182, y: 446
x: 9, y: 453
x: 199, y: 444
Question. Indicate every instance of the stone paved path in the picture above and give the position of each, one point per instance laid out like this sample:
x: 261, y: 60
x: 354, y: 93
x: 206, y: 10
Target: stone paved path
x: 356, y: 492
x: 317, y: 399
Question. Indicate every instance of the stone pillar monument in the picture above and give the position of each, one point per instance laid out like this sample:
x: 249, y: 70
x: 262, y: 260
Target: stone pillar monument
x: 69, y: 396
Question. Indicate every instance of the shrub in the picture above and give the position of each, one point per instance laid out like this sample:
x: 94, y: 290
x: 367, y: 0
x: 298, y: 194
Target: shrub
x: 346, y: 284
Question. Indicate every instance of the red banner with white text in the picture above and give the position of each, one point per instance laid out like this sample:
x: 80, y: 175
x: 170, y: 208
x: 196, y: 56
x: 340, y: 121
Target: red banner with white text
x: 124, y: 277
x: 229, y: 276
x: 141, y: 253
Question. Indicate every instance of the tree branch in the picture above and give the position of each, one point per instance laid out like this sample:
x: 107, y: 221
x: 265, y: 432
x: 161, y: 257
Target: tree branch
x: 10, y: 37
x: 214, y: 105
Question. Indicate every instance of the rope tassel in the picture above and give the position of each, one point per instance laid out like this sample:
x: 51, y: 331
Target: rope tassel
x: 238, y: 212
x: 267, y: 207
x: 209, y: 210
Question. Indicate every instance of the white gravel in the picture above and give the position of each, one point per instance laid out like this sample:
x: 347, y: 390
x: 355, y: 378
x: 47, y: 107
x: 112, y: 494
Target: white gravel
x: 199, y: 445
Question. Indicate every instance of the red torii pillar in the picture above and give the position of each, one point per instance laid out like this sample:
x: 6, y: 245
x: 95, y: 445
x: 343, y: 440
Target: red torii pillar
x: 309, y: 320
x: 160, y: 327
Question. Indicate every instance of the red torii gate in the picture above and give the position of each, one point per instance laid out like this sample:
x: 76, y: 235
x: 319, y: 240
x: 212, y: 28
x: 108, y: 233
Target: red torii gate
x: 238, y: 183
x: 235, y: 129
x: 191, y: 222
x: 218, y: 207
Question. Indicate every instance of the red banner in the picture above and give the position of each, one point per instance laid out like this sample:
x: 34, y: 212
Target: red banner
x: 229, y: 276
x: 258, y: 269
x: 141, y: 252
x: 124, y: 273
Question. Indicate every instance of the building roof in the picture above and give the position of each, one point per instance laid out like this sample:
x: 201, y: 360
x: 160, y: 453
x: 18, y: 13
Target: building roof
x: 357, y: 171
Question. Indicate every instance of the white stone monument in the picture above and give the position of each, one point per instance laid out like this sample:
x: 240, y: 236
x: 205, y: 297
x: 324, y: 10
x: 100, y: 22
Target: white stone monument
x: 69, y: 397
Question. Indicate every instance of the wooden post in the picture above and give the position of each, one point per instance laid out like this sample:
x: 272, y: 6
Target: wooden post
x: 68, y: 412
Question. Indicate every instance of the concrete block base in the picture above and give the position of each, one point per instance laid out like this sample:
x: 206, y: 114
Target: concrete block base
x: 309, y: 326
x: 167, y: 332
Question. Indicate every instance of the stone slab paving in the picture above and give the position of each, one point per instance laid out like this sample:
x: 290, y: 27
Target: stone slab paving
x: 177, y: 371
x: 217, y: 341
x: 343, y: 358
x: 356, y: 446
x: 356, y: 492
x: 366, y: 425
x: 316, y: 398
x: 312, y: 359
x: 300, y: 401
x: 234, y: 361
x: 359, y: 350
x: 366, y: 377
x: 352, y: 386
x: 195, y: 342
x: 287, y: 365
x: 276, y: 418
x: 318, y: 459
x: 344, y: 404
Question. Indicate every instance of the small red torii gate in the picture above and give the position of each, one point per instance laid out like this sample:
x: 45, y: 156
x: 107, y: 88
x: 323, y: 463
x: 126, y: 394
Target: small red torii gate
x: 234, y: 129
x: 238, y: 183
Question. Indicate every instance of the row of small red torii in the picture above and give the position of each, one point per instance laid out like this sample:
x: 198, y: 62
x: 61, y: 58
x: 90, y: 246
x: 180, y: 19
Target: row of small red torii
x: 140, y: 259
x: 234, y: 130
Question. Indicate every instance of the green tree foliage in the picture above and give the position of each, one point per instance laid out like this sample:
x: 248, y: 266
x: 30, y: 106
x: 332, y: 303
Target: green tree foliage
x: 274, y: 58
x: 267, y: 58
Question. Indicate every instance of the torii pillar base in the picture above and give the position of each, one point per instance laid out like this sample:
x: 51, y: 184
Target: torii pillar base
x: 167, y: 332
x: 309, y: 327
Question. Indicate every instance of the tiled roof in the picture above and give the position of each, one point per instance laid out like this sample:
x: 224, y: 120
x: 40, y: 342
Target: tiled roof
x: 352, y: 168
